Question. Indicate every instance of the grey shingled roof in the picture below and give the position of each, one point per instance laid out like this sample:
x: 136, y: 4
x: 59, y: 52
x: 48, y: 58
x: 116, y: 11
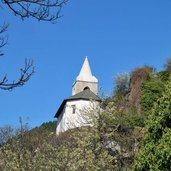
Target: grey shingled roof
x: 86, y: 94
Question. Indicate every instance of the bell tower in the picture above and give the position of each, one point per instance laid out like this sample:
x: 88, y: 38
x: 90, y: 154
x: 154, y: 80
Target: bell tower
x: 85, y: 80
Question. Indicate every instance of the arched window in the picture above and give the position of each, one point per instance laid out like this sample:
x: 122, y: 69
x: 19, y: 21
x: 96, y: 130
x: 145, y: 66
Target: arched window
x: 86, y: 88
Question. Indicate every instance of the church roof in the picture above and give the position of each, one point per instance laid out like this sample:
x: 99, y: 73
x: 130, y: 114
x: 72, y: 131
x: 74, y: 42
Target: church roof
x: 86, y: 94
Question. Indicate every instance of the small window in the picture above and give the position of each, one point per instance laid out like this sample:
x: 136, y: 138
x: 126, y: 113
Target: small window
x: 73, y: 109
x: 87, y: 88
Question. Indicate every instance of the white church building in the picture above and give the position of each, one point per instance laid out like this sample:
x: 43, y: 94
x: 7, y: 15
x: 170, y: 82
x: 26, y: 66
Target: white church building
x: 84, y: 93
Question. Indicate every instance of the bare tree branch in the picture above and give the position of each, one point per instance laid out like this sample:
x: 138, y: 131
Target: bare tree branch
x: 3, y: 39
x: 26, y: 72
x: 44, y: 10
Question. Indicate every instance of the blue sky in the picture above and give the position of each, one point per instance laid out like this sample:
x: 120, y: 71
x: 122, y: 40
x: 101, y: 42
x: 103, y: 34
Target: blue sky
x: 117, y: 36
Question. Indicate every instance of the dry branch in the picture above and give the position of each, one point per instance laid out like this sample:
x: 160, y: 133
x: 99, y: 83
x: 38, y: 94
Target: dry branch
x: 26, y: 72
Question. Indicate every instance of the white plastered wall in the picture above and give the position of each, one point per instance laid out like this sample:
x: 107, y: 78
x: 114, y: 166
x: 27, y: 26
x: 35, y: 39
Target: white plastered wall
x: 69, y: 120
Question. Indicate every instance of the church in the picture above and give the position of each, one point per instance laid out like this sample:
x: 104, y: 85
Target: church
x: 84, y: 93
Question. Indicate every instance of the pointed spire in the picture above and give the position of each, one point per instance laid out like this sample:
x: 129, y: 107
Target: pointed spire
x: 85, y: 72
x: 85, y: 79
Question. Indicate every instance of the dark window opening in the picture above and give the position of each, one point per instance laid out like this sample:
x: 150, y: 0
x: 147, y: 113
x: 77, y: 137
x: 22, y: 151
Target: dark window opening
x: 73, y: 109
x: 87, y: 88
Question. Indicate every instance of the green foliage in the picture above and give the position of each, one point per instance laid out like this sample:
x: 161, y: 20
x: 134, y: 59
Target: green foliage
x: 151, y: 91
x: 105, y: 102
x: 155, y: 153
x: 163, y: 75
x: 108, y: 145
x: 118, y: 129
x: 48, y: 126
x: 134, y: 120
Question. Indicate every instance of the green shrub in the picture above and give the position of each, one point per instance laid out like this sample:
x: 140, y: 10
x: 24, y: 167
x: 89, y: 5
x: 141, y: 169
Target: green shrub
x: 163, y: 75
x: 155, y: 153
x: 151, y: 91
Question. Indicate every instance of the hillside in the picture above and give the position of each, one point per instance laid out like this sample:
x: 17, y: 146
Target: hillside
x: 134, y: 121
